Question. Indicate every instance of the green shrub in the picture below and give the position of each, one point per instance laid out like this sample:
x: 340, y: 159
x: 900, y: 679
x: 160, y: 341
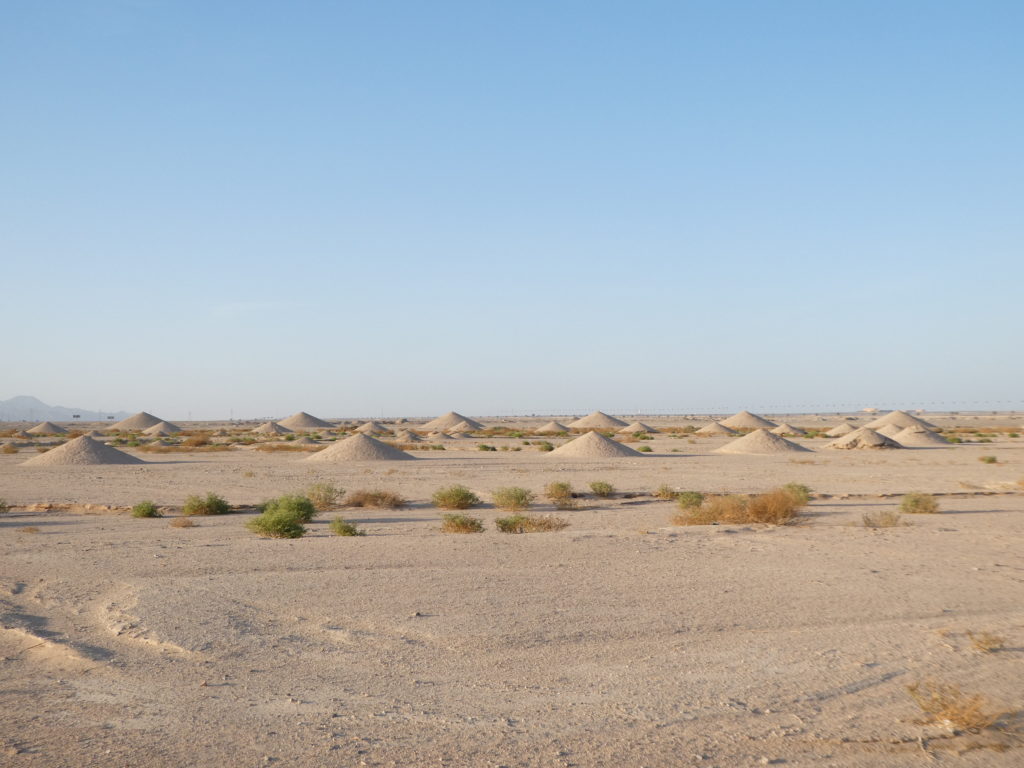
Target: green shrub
x: 954, y: 439
x: 544, y: 446
x: 778, y: 507
x: 644, y: 449
x: 211, y: 505
x: 277, y: 524
x: 375, y: 499
x: 299, y: 507
x: 341, y: 527
x: 461, y: 524
x: 513, y: 499
x: 799, y: 492
x: 145, y: 509
x: 919, y: 504
x: 530, y: 524
x: 482, y: 447
x: 987, y: 459
x: 561, y: 495
x: 4, y: 507
x: 665, y: 492
x: 454, y: 497
x: 690, y: 499
x: 324, y: 495
x: 602, y: 489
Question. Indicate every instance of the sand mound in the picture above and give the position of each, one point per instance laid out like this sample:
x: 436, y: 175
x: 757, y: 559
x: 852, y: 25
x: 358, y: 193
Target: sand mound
x: 747, y: 420
x: 901, y: 419
x: 93, y: 433
x: 271, y: 428
x: 715, y: 428
x: 82, y: 450
x: 463, y: 427
x: 139, y: 421
x: 863, y: 438
x: 637, y: 426
x: 303, y: 441
x: 760, y: 441
x: 842, y: 429
x: 440, y: 437
x: 163, y: 428
x: 919, y: 437
x: 360, y: 447
x: 405, y: 436
x: 22, y: 434
x: 787, y: 429
x: 449, y: 420
x: 597, y: 420
x: 889, y: 430
x: 303, y: 420
x: 551, y: 428
x: 373, y: 428
x: 47, y: 428
x: 593, y: 445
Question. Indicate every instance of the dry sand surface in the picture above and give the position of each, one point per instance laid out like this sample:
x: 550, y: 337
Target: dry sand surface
x: 622, y: 640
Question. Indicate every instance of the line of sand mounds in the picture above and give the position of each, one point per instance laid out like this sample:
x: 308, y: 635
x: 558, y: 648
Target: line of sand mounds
x: 901, y: 419
x: 47, y: 428
x: 919, y: 437
x: 762, y: 442
x: 715, y: 428
x: 373, y: 428
x: 551, y: 428
x: 136, y: 423
x: 271, y: 428
x: 462, y: 428
x: 82, y: 450
x: 360, y: 447
x: 304, y: 440
x: 637, y: 426
x: 450, y: 420
x: 593, y: 445
x: 597, y: 420
x: 840, y: 430
x: 863, y: 438
x: 303, y: 420
x: 748, y: 420
x: 787, y: 429
x: 889, y: 430
x: 163, y: 428
x: 405, y: 436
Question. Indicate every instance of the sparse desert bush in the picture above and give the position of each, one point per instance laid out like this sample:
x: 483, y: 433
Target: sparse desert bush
x: 483, y: 447
x: 183, y: 522
x: 374, y: 499
x: 919, y: 504
x: 145, y: 509
x: 454, y: 497
x: 986, y: 642
x: 211, y: 505
x: 454, y: 523
x: 645, y: 449
x: 665, y: 492
x: 988, y: 459
x: 4, y: 507
x: 341, y: 527
x: 689, y: 499
x: 324, y: 495
x: 602, y: 489
x: 800, y: 492
x: 544, y: 446
x: 777, y: 507
x: 886, y: 518
x: 277, y: 524
x: 512, y: 498
x: 947, y: 704
x: 28, y: 529
x: 530, y: 524
x: 299, y: 507
x: 561, y: 495
x: 8, y: 448
x: 194, y: 441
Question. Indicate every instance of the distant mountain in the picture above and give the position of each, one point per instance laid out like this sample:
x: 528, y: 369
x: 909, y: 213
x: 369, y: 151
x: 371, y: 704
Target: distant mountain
x: 25, y: 408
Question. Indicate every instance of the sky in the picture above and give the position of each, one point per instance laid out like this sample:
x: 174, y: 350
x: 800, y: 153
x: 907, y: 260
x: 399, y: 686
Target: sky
x: 400, y: 208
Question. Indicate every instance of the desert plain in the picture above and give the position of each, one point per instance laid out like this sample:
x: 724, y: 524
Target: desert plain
x: 621, y: 640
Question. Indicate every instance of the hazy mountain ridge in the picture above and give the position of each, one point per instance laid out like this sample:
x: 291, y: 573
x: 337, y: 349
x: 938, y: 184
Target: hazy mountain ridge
x: 28, y: 408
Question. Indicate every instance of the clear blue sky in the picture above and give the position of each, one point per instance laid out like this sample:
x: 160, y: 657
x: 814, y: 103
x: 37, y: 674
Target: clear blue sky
x: 407, y: 207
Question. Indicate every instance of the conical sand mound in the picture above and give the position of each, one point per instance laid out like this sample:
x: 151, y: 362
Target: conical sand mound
x: 360, y: 447
x: 139, y: 421
x: 163, y: 428
x: 839, y: 431
x: 47, y: 428
x: 82, y: 450
x: 93, y: 433
x: 303, y: 420
x: 863, y: 438
x: 715, y: 428
x: 597, y: 420
x: 889, y: 430
x: 373, y: 428
x: 747, y: 420
x: 449, y: 420
x: 787, y: 429
x: 441, y: 437
x: 463, y: 427
x: 901, y: 419
x: 22, y: 434
x: 760, y: 441
x: 593, y: 445
x: 303, y: 441
x: 637, y: 426
x: 405, y: 436
x: 551, y: 428
x: 919, y: 437
x: 270, y: 428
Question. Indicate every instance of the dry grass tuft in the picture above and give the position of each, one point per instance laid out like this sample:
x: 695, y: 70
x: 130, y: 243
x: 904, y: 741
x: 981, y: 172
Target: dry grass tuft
x: 454, y: 497
x: 530, y: 524
x: 948, y: 705
x: 183, y: 522
x: 28, y: 529
x: 887, y: 518
x: 919, y: 504
x: 778, y: 507
x: 561, y: 495
x: 513, y: 499
x: 324, y: 495
x: 8, y: 448
x: 374, y: 499
x: 455, y: 523
x: 986, y: 642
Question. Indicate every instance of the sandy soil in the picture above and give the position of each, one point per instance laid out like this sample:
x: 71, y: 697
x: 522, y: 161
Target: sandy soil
x: 622, y: 640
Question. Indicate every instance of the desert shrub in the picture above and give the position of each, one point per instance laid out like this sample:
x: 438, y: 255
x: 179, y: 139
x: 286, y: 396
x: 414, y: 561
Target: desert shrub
x: 919, y: 504
x: 987, y: 459
x: 602, y: 489
x: 454, y: 523
x: 645, y: 449
x: 145, y: 509
x: 943, y: 703
x: 689, y: 499
x: 953, y: 439
x: 986, y: 642
x: 544, y: 446
x: 29, y: 529
x: 513, y: 499
x: 886, y: 518
x: 4, y: 507
x: 324, y: 495
x: 195, y: 441
x: 561, y: 495
x: 530, y: 524
x: 482, y: 447
x: 341, y: 527
x: 374, y: 499
x: 211, y: 505
x: 183, y: 522
x: 278, y: 524
x: 299, y: 507
x: 454, y: 497
x: 8, y: 448
x: 777, y: 507
x: 664, y: 492
x: 800, y: 492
